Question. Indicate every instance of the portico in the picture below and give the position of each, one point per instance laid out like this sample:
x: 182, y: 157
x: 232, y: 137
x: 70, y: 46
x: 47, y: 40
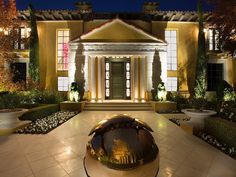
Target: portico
x: 115, y: 61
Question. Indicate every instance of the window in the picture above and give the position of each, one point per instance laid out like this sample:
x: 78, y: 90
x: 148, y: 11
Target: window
x: 128, y: 81
x: 19, y: 71
x: 214, y: 75
x: 171, y: 38
x: 213, y: 40
x: 63, y: 37
x: 21, y: 42
x: 107, y: 79
x: 171, y: 84
x: 63, y: 84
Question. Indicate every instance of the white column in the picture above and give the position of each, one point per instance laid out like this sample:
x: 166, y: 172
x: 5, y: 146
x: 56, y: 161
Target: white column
x: 72, y: 67
x: 149, y: 72
x: 163, y: 58
x: 136, y: 78
x: 86, y: 68
x: 143, y: 77
x: 92, y: 77
x: 100, y: 78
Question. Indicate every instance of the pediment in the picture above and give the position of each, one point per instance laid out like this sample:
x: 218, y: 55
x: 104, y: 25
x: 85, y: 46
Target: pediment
x: 117, y: 30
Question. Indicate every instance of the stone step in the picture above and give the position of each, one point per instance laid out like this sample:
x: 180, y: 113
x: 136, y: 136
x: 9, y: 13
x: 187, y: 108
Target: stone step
x: 118, y: 107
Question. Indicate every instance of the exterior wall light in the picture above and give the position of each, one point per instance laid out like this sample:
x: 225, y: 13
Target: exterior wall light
x: 6, y: 32
x: 28, y: 31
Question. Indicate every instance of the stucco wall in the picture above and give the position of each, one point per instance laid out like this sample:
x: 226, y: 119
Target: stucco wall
x: 187, y: 50
x: 47, y: 49
x: 187, y: 33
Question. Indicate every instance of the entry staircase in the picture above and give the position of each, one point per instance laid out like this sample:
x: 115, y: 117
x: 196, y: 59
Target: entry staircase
x: 117, y: 106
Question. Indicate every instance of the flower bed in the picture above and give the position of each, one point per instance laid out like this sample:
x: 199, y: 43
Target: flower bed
x: 178, y: 121
x: 47, y: 124
x: 231, y: 151
x: 227, y: 149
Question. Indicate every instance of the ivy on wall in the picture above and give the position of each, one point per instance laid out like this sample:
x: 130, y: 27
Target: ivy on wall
x: 33, y: 47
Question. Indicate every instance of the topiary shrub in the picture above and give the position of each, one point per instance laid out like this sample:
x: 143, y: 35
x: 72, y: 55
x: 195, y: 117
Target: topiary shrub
x: 40, y: 112
x: 222, y: 130
x: 30, y: 106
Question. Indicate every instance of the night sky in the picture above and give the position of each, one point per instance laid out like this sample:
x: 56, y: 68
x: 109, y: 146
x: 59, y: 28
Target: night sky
x: 111, y: 5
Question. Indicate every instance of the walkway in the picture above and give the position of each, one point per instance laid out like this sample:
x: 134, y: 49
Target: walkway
x: 60, y: 153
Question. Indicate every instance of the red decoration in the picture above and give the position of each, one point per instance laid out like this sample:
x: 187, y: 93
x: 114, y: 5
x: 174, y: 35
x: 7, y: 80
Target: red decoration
x: 65, y: 55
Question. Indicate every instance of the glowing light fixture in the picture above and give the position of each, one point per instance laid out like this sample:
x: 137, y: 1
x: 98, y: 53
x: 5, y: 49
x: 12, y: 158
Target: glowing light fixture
x: 28, y: 30
x: 6, y: 32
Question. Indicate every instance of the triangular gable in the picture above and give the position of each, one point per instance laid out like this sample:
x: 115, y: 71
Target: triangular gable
x: 117, y: 30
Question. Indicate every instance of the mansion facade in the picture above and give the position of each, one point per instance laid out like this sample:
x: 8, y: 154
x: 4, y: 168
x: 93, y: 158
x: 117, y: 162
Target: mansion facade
x: 115, y: 55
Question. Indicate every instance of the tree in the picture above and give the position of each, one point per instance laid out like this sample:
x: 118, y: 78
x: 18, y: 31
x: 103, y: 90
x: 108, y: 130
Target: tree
x: 156, y: 75
x: 201, y: 66
x: 224, y: 19
x: 9, y: 23
x: 34, y: 48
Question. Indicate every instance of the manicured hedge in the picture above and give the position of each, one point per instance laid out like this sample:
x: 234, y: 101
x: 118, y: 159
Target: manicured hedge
x: 40, y: 112
x: 223, y: 130
x: 30, y: 106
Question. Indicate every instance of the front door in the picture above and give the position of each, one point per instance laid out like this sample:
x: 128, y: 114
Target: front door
x: 118, y: 80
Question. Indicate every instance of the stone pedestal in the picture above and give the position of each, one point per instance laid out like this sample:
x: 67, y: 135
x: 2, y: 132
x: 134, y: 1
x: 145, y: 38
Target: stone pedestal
x: 164, y: 107
x: 72, y: 106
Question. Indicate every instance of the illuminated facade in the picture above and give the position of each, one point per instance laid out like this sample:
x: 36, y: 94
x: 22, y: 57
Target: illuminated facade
x: 113, y: 55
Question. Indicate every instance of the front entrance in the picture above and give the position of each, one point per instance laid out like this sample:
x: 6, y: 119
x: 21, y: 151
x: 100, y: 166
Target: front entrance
x: 117, y: 78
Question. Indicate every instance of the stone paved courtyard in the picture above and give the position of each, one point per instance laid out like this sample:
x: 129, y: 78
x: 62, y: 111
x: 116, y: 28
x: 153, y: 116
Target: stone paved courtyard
x: 60, y: 153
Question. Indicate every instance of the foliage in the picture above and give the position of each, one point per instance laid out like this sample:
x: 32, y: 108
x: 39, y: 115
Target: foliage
x: 30, y: 106
x: 201, y: 67
x: 224, y: 19
x: 182, y: 102
x: 41, y: 97
x: 8, y: 23
x: 213, y: 104
x: 223, y: 130
x: 222, y: 87
x: 46, y: 124
x: 156, y: 75
x: 225, y: 109
x: 40, y: 112
x: 10, y: 100
x: 229, y: 94
x: 6, y: 82
x: 36, y: 97
x: 198, y: 103
x: 34, y: 47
